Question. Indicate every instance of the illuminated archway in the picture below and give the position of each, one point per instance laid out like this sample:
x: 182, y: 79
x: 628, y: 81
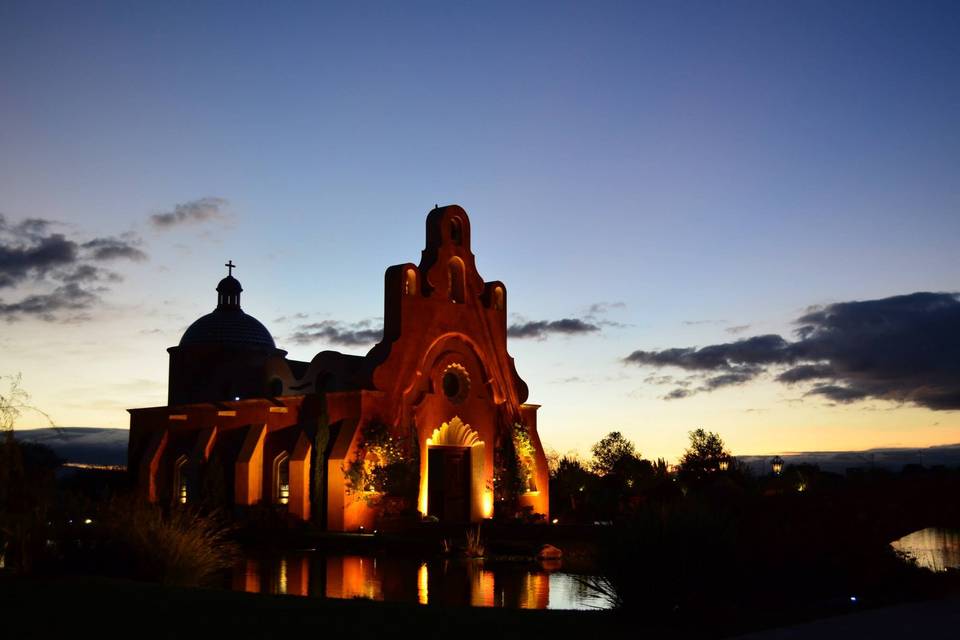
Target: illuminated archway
x: 457, y: 436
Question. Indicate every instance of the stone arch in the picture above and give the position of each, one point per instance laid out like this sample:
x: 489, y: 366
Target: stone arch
x: 436, y: 350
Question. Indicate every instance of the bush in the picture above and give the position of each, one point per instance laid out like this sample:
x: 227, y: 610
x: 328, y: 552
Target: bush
x: 183, y: 547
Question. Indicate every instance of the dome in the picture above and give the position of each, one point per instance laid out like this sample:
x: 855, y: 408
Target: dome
x: 228, y: 327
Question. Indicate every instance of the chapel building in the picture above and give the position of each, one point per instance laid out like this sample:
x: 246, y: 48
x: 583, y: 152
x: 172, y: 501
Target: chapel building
x: 433, y: 419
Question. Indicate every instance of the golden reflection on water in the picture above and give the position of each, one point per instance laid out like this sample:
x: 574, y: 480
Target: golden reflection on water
x: 353, y: 577
x: 933, y: 548
x: 447, y: 582
x: 423, y: 584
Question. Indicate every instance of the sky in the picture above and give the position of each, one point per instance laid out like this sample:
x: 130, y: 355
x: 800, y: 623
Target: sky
x: 666, y: 189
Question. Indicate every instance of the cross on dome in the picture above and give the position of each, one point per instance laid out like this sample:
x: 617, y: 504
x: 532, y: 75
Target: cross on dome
x: 230, y: 267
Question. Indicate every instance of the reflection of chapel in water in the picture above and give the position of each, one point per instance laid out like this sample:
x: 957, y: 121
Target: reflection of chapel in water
x: 433, y: 418
x: 452, y: 583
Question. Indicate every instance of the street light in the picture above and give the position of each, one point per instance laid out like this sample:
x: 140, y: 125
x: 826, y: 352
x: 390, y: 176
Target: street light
x: 776, y: 465
x: 724, y: 463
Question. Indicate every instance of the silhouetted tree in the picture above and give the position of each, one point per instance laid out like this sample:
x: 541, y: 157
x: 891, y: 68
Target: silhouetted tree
x: 703, y: 456
x: 611, y: 452
x: 570, y: 482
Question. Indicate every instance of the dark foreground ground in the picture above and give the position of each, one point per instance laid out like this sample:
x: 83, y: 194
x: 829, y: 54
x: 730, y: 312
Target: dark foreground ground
x: 105, y: 608
x: 102, y: 608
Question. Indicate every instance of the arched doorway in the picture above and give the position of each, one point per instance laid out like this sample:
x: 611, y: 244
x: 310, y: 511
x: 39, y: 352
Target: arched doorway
x: 455, y: 458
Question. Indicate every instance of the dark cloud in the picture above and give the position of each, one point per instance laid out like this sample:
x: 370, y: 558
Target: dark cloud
x: 836, y: 393
x: 740, y: 356
x: 32, y: 254
x: 337, y: 333
x: 543, y: 328
x: 678, y: 394
x: 88, y: 273
x: 903, y: 349
x: 192, y: 212
x: 114, y: 248
x: 22, y: 257
x: 51, y: 306
x: 806, y: 372
x: 737, y: 329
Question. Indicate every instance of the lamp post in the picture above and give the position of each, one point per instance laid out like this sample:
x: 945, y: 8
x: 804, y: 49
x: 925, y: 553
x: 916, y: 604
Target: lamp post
x: 776, y: 465
x: 724, y: 463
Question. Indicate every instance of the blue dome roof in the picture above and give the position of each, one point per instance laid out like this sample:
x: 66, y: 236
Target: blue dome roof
x: 228, y: 327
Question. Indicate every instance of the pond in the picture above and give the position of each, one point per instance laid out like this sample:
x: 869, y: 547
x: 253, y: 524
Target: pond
x: 934, y: 548
x: 444, y: 582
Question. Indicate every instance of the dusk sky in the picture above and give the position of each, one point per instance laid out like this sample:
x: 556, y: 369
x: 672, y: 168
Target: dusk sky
x: 709, y: 214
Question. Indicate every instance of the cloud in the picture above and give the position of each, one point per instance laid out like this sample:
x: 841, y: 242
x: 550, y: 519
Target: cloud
x: 23, y: 256
x: 362, y: 333
x: 541, y: 329
x: 50, y: 306
x: 737, y: 329
x: 836, y: 393
x: 114, y: 248
x: 601, y: 308
x: 295, y: 316
x: 806, y: 372
x: 903, y: 349
x: 88, y: 273
x: 192, y: 212
x: 32, y: 254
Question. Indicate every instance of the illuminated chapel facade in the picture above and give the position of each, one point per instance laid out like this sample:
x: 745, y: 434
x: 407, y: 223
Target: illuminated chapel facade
x: 433, y: 419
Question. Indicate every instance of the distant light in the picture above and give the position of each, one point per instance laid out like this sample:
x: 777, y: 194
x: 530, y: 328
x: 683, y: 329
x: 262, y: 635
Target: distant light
x: 555, y: 520
x: 236, y: 397
x: 853, y: 598
x: 88, y: 521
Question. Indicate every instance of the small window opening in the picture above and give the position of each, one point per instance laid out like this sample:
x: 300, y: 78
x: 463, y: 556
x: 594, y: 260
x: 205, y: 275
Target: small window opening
x: 456, y: 231
x: 410, y: 282
x: 456, y: 281
x: 498, y: 299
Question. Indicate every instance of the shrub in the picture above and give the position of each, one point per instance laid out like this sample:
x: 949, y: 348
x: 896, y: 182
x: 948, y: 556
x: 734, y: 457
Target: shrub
x: 183, y: 547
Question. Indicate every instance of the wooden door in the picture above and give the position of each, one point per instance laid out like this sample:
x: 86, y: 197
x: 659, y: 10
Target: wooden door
x: 449, y: 483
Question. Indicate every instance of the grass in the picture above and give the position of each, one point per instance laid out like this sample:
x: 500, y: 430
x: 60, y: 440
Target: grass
x: 182, y: 547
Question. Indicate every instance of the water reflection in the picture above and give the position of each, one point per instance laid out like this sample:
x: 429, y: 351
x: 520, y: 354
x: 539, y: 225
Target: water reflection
x: 444, y: 582
x: 933, y: 548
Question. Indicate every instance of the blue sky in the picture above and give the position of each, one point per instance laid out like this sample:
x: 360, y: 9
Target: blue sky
x: 704, y: 166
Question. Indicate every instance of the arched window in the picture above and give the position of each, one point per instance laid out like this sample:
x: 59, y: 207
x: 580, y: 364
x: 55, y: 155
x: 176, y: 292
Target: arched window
x: 498, y: 298
x: 281, y: 478
x: 456, y: 280
x: 410, y: 282
x: 180, y: 488
x: 456, y: 231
